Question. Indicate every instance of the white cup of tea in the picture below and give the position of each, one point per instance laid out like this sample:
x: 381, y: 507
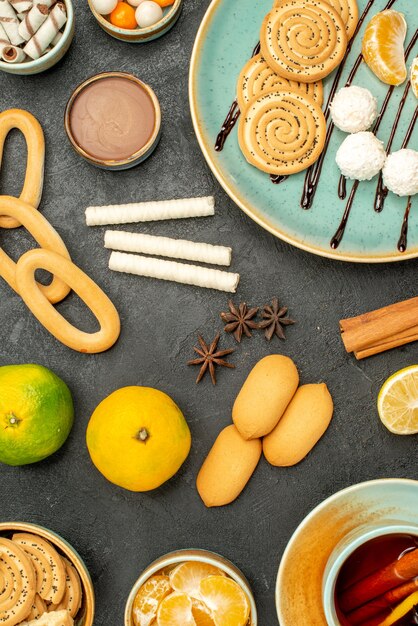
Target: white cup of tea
x: 344, y: 549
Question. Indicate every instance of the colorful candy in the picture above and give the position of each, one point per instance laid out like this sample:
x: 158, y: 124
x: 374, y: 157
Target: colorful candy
x: 148, y: 13
x: 123, y: 16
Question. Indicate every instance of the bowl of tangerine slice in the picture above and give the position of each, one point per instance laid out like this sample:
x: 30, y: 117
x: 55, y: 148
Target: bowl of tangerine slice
x: 191, y: 588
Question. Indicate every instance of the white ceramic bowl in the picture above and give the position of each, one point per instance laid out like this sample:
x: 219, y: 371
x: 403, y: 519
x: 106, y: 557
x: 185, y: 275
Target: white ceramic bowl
x: 52, y: 57
x: 203, y: 556
x: 345, y: 549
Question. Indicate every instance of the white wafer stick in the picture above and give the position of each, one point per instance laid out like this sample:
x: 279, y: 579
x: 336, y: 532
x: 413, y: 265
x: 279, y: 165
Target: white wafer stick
x: 12, y: 54
x: 165, y: 246
x: 21, y: 6
x: 176, y: 272
x: 56, y: 38
x: 46, y: 33
x: 10, y: 22
x: 33, y: 21
x: 150, y: 211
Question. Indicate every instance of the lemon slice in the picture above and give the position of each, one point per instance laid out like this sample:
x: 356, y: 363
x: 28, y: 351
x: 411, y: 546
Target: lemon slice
x: 397, y: 402
x: 414, y: 76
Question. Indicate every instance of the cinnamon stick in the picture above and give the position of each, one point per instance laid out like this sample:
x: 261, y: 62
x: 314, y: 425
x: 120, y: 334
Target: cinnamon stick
x: 380, y: 330
x: 378, y: 583
x: 376, y: 607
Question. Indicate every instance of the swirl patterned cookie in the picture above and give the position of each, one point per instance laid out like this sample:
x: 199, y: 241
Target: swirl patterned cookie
x: 257, y: 77
x: 282, y: 132
x: 347, y: 9
x: 303, y: 40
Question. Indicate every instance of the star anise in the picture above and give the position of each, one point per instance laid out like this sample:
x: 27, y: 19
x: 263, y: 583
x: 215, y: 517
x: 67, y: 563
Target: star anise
x: 239, y: 320
x: 209, y: 358
x: 274, y: 318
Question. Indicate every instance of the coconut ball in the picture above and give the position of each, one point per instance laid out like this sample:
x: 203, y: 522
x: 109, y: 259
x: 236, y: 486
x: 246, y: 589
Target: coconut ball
x: 400, y: 173
x: 148, y: 13
x: 353, y: 109
x: 361, y: 156
x: 104, y: 7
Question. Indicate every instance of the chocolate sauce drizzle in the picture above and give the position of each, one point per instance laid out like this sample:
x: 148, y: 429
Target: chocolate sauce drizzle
x: 313, y: 172
x: 382, y: 191
x: 232, y: 117
x: 336, y: 239
x: 403, y: 239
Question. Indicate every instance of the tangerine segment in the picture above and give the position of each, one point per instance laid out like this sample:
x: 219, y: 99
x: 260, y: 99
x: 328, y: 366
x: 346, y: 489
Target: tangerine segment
x: 226, y: 599
x: 149, y: 598
x: 202, y: 613
x: 414, y: 76
x: 186, y: 577
x: 176, y: 610
x: 383, y: 46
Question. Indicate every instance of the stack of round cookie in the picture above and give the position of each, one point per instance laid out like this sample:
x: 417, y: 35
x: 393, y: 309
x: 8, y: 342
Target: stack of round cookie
x: 282, y: 128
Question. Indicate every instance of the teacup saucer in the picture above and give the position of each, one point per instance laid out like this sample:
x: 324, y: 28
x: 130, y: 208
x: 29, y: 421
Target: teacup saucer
x: 300, y: 576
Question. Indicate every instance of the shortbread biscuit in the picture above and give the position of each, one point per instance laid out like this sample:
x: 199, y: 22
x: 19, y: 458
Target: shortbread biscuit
x: 282, y: 132
x: 71, y: 601
x: 257, y: 77
x: 48, y: 566
x: 17, y: 582
x: 347, y: 9
x: 303, y: 40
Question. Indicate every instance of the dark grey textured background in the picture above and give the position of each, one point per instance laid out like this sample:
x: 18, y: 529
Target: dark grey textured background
x: 119, y: 533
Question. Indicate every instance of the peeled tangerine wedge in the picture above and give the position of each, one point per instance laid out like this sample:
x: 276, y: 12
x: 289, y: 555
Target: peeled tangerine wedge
x: 149, y: 598
x: 186, y: 577
x: 176, y: 610
x: 383, y: 46
x: 397, y: 402
x: 226, y: 599
x: 414, y: 76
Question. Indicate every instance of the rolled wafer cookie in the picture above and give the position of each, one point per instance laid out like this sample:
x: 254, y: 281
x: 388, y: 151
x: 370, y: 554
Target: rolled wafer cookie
x: 176, y: 272
x: 21, y: 6
x: 8, y: 52
x: 303, y: 40
x: 282, y: 132
x: 40, y: 41
x: 18, y: 583
x: 257, y: 77
x: 165, y: 246
x: 10, y: 22
x: 347, y: 9
x: 33, y: 21
x: 150, y: 211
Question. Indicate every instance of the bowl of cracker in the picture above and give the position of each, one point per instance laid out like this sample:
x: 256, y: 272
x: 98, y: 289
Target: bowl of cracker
x: 45, y: 581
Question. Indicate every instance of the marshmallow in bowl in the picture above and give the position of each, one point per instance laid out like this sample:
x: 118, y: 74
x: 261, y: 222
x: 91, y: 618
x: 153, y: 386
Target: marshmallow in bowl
x: 400, y: 173
x: 353, y: 109
x: 361, y: 156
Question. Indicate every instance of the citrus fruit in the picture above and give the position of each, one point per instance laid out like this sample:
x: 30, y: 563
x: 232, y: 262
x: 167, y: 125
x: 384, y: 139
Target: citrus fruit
x: 138, y: 438
x: 36, y: 413
x: 123, y: 16
x: 202, y: 614
x: 149, y: 598
x: 383, y: 46
x: 226, y: 599
x: 397, y: 402
x: 176, y: 610
x: 414, y: 76
x: 186, y: 577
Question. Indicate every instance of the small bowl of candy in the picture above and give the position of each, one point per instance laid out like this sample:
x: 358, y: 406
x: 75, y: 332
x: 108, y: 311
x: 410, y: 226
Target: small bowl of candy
x: 34, y: 37
x: 136, y: 21
x: 45, y: 580
x: 191, y: 587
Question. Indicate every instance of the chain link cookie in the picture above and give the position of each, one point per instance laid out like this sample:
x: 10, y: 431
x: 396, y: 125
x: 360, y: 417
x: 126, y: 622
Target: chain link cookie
x: 303, y: 40
x: 282, y: 132
x: 257, y: 77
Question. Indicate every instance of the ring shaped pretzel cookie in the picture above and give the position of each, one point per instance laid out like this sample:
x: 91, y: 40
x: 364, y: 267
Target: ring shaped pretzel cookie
x: 91, y: 294
x: 47, y: 237
x: 35, y: 142
x: 303, y: 40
